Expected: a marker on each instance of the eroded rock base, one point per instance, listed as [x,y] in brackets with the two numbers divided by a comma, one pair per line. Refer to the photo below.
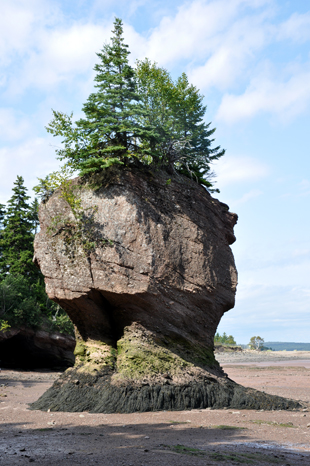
[76,392]
[149,372]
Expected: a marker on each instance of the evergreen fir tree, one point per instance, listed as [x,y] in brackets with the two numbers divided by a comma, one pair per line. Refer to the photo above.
[110,132]
[17,236]
[34,215]
[2,215]
[23,300]
[135,116]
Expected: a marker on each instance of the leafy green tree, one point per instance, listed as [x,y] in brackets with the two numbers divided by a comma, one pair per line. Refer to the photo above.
[177,111]
[17,303]
[256,343]
[23,300]
[25,303]
[155,87]
[110,132]
[231,340]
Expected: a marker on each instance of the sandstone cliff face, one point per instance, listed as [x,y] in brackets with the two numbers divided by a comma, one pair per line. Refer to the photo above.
[145,274]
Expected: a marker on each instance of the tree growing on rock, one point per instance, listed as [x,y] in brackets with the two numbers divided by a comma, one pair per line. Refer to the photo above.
[136,116]
[176,109]
[110,132]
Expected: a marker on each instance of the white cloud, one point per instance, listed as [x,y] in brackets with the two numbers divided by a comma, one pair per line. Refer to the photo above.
[232,51]
[40,47]
[19,23]
[15,27]
[304,188]
[220,38]
[288,273]
[233,169]
[301,253]
[286,99]
[13,125]
[54,51]
[197,29]
[31,159]
[246,197]
[61,55]
[138,45]
[297,28]
[227,38]
[277,313]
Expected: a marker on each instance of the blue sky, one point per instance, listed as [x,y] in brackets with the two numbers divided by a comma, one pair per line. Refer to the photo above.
[251,61]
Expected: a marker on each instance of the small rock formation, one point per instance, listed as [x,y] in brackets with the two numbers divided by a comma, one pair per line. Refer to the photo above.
[145,272]
[30,349]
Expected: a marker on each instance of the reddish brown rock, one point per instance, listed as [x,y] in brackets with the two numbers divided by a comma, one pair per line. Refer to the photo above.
[145,272]
[169,265]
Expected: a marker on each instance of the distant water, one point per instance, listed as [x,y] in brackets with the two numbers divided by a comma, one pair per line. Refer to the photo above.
[288,346]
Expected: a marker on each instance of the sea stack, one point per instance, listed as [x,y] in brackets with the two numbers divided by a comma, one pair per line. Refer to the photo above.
[142,264]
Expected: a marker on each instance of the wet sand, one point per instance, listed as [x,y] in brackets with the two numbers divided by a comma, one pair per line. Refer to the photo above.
[291,363]
[197,437]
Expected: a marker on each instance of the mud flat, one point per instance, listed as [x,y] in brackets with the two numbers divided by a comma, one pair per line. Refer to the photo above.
[195,437]
[264,357]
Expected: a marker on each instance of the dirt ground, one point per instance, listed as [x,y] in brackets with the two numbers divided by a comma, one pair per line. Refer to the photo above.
[176,438]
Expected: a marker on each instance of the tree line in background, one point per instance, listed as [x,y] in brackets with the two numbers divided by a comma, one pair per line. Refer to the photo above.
[224,339]
[256,342]
[23,300]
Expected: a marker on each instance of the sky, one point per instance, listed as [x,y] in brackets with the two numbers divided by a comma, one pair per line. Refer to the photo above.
[251,61]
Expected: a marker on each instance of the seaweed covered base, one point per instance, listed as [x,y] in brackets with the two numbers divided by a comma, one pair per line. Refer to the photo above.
[148,373]
[76,392]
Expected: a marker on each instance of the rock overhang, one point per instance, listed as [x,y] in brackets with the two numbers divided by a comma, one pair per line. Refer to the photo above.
[145,272]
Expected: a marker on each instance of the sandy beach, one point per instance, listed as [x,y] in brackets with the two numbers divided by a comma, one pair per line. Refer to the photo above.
[197,437]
